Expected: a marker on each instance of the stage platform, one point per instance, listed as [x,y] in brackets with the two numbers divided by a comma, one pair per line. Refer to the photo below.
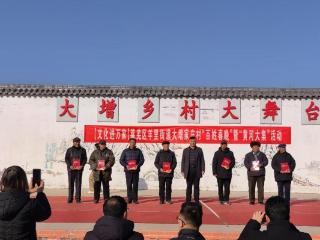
[159,221]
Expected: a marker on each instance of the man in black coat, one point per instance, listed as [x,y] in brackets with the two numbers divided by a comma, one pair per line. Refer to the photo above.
[75,158]
[255,162]
[192,168]
[277,213]
[190,220]
[283,164]
[132,159]
[114,223]
[222,164]
[166,163]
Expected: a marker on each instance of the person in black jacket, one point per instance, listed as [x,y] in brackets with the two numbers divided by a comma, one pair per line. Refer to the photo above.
[18,212]
[190,220]
[192,168]
[255,162]
[114,224]
[75,158]
[132,159]
[222,164]
[283,164]
[166,163]
[277,214]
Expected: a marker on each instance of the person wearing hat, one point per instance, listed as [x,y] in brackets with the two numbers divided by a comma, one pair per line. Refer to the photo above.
[101,162]
[75,158]
[222,164]
[193,168]
[91,179]
[283,165]
[255,162]
[132,159]
[166,163]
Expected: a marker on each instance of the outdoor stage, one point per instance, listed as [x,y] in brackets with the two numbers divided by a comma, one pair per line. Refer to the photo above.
[159,221]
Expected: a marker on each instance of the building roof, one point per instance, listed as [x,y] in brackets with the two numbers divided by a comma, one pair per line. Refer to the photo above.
[145,91]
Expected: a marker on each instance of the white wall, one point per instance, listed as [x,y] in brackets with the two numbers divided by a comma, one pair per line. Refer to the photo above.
[31,137]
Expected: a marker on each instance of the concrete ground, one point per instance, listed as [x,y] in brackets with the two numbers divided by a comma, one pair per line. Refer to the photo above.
[168,227]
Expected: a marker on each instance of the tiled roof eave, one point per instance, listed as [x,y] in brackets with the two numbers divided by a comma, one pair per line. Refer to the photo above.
[19,90]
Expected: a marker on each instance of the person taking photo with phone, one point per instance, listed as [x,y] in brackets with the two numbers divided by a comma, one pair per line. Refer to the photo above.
[277,218]
[18,211]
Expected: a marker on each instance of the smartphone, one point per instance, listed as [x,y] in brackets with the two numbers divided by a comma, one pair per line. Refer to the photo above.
[36,177]
[264,219]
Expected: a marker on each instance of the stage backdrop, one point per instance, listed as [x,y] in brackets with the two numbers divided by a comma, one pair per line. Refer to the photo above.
[36,132]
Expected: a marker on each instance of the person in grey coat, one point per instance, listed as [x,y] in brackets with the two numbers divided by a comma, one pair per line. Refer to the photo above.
[255,162]
[192,168]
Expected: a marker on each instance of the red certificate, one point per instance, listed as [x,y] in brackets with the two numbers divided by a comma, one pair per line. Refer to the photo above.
[284,167]
[166,166]
[76,163]
[101,164]
[226,163]
[132,164]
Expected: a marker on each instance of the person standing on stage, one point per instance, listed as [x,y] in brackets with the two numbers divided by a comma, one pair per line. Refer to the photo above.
[75,158]
[132,159]
[192,168]
[101,162]
[283,164]
[222,164]
[255,162]
[165,162]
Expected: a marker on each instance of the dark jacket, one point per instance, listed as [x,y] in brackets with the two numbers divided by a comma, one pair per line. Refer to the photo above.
[107,155]
[185,163]
[132,154]
[276,230]
[19,214]
[217,160]
[74,152]
[249,158]
[165,156]
[111,228]
[189,234]
[279,158]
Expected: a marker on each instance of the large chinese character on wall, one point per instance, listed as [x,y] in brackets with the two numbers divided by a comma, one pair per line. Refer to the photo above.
[67,109]
[148,110]
[310,110]
[229,111]
[270,111]
[189,110]
[108,109]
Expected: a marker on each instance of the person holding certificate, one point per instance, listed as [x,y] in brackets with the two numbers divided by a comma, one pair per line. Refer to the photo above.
[255,162]
[75,158]
[132,159]
[101,162]
[165,162]
[222,164]
[283,165]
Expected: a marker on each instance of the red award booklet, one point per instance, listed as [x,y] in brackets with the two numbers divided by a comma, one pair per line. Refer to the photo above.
[226,163]
[284,167]
[132,164]
[101,164]
[166,166]
[76,163]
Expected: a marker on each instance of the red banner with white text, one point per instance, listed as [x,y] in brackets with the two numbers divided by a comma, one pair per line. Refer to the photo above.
[181,134]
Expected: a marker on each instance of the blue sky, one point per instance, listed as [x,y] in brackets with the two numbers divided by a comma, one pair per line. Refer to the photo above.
[272,43]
